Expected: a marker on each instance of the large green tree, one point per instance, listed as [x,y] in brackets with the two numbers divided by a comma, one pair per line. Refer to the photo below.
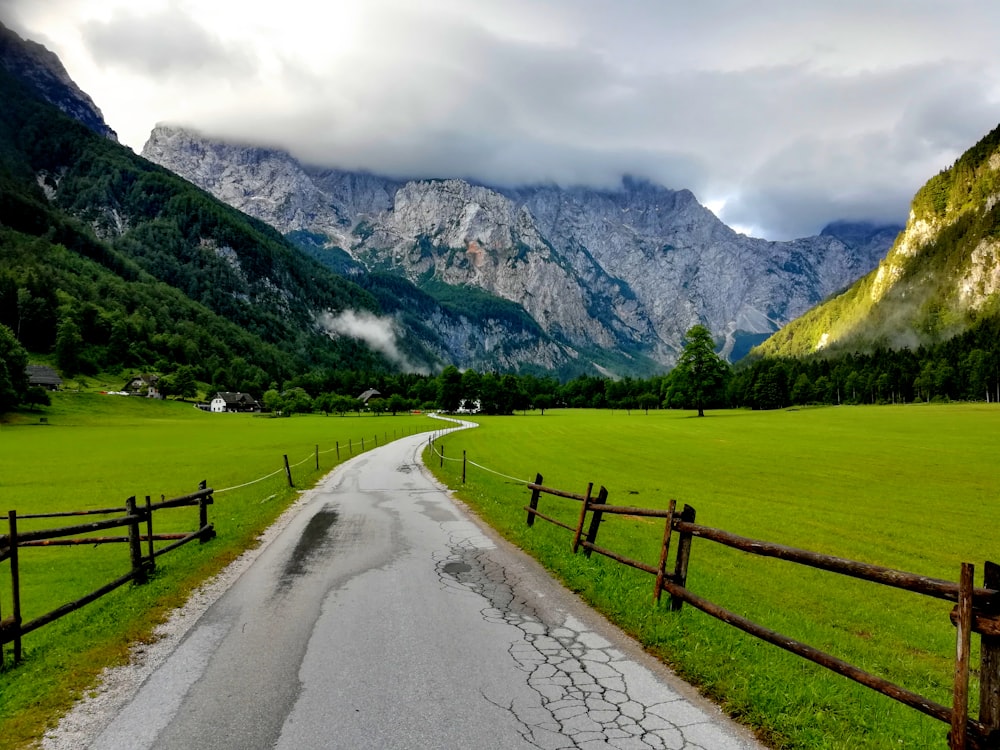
[13,376]
[701,374]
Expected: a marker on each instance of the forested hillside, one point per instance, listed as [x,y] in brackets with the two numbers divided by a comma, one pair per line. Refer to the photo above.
[109,260]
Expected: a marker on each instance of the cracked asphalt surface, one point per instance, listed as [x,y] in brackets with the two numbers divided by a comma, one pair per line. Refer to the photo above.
[385,616]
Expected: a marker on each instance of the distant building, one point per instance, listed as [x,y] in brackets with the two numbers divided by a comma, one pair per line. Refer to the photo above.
[230,401]
[44,377]
[369,394]
[143,385]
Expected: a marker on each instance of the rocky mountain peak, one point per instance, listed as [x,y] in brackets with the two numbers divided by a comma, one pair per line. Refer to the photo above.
[626,269]
[43,72]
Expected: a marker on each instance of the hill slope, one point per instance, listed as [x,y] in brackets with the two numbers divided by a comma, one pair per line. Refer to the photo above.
[81,216]
[940,278]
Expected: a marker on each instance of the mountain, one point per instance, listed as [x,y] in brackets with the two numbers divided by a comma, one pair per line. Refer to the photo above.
[71,192]
[616,274]
[43,73]
[940,278]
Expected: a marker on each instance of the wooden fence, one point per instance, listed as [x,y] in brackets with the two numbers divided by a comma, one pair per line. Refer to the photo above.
[136,518]
[977,610]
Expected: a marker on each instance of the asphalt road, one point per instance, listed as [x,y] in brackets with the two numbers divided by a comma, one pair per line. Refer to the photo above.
[384,616]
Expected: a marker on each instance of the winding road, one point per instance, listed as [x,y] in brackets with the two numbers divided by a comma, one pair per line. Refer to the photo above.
[385,616]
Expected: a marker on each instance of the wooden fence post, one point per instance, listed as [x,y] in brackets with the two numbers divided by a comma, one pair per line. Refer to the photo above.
[203,504]
[376,440]
[151,561]
[442,456]
[337,444]
[595,520]
[15,584]
[683,554]
[362,445]
[134,544]
[463,466]
[350,446]
[583,517]
[534,499]
[661,570]
[288,471]
[317,458]
[989,663]
[957,739]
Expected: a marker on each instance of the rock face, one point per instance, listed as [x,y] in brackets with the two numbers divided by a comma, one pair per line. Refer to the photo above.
[626,270]
[42,71]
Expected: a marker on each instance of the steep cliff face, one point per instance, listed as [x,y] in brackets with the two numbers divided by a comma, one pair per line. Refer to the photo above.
[627,270]
[43,72]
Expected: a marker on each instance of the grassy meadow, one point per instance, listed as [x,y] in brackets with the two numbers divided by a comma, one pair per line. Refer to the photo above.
[910,487]
[94,451]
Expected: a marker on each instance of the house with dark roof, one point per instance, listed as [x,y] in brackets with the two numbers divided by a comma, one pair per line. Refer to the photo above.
[143,385]
[233,401]
[43,376]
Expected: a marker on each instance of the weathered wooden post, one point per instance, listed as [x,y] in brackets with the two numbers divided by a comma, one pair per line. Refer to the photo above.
[661,570]
[317,458]
[376,440]
[583,517]
[362,445]
[957,739]
[595,520]
[533,504]
[134,544]
[288,471]
[683,554]
[989,662]
[15,585]
[203,504]
[442,456]
[337,444]
[151,561]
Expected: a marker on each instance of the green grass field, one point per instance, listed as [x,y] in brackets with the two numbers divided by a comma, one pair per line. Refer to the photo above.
[909,487]
[94,452]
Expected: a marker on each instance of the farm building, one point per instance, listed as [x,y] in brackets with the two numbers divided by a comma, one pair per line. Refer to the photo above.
[43,376]
[143,385]
[369,394]
[230,401]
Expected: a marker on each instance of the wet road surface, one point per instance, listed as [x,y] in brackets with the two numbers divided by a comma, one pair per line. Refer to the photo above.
[384,617]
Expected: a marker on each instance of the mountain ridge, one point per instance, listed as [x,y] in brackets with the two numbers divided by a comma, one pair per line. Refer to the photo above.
[630,268]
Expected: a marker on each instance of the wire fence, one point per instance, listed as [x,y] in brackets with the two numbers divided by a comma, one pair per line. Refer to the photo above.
[464,460]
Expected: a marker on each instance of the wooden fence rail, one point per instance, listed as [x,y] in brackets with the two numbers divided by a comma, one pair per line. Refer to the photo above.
[977,610]
[13,628]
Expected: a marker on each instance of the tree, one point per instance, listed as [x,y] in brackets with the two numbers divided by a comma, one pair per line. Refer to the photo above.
[449,395]
[543,401]
[397,404]
[702,371]
[272,401]
[13,376]
[647,401]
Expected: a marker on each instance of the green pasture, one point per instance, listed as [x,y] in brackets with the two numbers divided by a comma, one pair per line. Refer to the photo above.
[94,451]
[910,487]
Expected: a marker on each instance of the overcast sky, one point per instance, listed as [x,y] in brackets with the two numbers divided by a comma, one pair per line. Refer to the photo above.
[780,115]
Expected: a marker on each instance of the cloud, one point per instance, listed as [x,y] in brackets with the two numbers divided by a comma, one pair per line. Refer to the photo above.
[163,43]
[787,115]
[378,333]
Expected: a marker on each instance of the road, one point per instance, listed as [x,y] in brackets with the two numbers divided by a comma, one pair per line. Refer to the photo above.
[385,616]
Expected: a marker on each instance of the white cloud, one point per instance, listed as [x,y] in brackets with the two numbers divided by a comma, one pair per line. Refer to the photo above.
[798,113]
[379,333]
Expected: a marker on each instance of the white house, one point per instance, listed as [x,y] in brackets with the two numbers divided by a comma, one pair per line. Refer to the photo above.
[233,401]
